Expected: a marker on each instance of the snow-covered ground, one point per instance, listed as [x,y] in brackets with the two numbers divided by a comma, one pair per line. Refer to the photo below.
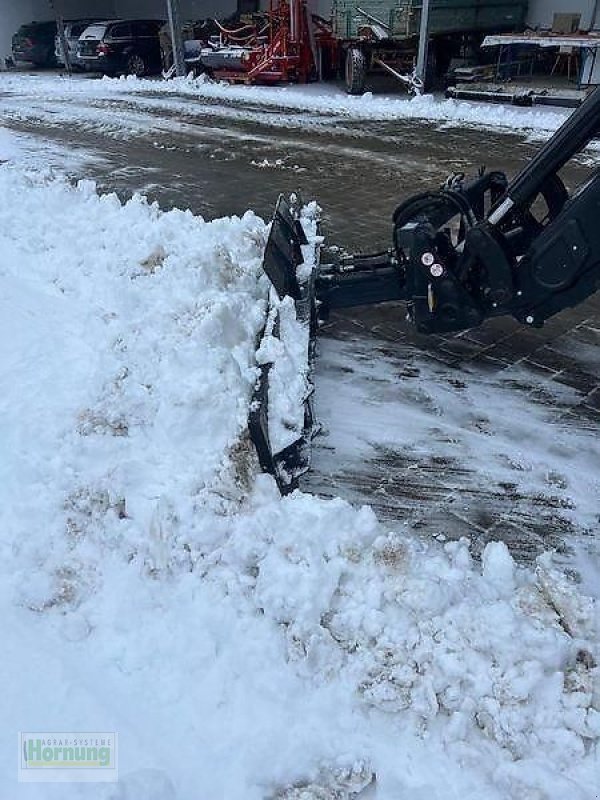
[45,155]
[155,584]
[441,446]
[320,100]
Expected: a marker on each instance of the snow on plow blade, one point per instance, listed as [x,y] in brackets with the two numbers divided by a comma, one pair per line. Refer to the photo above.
[281,419]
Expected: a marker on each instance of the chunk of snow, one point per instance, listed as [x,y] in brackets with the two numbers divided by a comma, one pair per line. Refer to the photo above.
[499,567]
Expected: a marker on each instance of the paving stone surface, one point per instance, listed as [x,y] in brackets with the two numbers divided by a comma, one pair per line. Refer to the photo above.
[521,488]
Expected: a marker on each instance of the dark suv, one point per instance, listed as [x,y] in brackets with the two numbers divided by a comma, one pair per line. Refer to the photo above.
[122,46]
[34,42]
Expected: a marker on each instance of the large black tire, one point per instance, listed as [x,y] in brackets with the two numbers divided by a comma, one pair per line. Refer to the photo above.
[136,65]
[356,70]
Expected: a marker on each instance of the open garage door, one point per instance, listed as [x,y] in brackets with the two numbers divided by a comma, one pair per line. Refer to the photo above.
[13,15]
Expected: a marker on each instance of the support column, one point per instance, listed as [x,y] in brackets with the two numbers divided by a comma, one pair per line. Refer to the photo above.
[57,7]
[423,43]
[176,36]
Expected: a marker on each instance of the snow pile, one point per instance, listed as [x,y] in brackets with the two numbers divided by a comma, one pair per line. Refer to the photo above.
[139,310]
[471,658]
[152,583]
[325,100]
[331,100]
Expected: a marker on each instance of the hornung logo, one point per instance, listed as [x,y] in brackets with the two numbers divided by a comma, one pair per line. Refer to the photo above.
[68,757]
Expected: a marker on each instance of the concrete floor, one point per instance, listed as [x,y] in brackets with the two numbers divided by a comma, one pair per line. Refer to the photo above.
[220,159]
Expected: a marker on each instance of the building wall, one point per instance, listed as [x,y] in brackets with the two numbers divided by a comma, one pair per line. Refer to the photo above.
[322,7]
[541,12]
[190,9]
[198,9]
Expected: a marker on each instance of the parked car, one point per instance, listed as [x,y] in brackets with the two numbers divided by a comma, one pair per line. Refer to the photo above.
[122,46]
[34,43]
[73,30]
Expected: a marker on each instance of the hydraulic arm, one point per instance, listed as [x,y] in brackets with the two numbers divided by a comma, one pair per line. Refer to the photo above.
[485,247]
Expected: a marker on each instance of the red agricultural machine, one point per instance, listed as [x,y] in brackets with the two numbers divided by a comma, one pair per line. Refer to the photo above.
[290,43]
[287,44]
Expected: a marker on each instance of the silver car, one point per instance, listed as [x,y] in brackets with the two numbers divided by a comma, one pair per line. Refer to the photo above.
[73,30]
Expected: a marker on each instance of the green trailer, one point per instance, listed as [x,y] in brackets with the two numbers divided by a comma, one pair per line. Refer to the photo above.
[382,35]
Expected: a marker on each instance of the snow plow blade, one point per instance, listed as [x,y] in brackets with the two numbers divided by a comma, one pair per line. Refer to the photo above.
[281,419]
